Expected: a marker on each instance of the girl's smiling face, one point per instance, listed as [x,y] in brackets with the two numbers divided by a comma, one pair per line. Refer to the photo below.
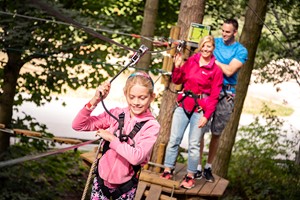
[139,98]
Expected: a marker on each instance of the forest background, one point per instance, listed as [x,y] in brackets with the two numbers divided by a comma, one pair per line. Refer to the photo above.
[66,50]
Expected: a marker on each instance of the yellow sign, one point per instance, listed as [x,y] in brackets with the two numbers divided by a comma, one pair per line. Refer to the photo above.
[197,31]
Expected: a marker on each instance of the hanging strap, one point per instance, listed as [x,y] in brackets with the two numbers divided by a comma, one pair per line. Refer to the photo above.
[225,88]
[188,93]
[125,187]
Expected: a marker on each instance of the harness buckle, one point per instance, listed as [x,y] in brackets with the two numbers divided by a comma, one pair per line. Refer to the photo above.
[199,109]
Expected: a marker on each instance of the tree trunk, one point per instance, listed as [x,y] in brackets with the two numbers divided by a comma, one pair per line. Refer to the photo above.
[250,36]
[297,160]
[169,98]
[150,14]
[10,76]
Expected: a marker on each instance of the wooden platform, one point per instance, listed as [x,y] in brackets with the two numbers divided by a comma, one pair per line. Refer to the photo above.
[152,187]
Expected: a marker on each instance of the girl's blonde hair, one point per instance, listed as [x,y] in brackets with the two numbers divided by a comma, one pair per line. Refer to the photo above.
[208,38]
[141,78]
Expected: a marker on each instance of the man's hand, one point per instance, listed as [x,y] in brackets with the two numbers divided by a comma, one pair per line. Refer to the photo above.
[230,69]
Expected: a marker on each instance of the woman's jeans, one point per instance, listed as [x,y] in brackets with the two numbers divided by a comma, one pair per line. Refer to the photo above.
[179,124]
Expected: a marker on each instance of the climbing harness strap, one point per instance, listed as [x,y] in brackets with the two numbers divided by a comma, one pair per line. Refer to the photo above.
[188,93]
[123,137]
[227,95]
[125,187]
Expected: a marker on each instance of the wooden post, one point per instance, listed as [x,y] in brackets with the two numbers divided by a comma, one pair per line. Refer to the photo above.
[160,156]
[168,59]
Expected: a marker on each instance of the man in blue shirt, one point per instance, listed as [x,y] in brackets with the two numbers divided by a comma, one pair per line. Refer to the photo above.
[230,55]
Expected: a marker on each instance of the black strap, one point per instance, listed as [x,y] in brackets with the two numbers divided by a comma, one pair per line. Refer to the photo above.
[224,89]
[121,124]
[137,127]
[195,97]
[122,189]
[125,187]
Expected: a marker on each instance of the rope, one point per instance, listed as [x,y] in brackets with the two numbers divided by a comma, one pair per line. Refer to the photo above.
[92,31]
[96,29]
[91,172]
[34,157]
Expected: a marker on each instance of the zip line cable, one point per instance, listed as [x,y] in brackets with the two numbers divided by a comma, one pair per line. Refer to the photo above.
[34,157]
[273,33]
[160,42]
[67,24]
[163,72]
[269,29]
[76,24]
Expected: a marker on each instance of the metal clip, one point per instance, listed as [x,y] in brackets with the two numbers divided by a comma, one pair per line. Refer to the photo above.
[180,45]
[137,55]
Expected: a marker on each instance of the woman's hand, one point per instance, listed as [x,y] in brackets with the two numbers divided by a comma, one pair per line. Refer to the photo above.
[106,135]
[202,122]
[178,61]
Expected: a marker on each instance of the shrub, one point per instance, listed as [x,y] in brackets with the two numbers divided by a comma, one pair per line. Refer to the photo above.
[260,167]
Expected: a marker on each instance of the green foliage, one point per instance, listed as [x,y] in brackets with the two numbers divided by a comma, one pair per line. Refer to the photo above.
[260,167]
[280,42]
[55,177]
[27,122]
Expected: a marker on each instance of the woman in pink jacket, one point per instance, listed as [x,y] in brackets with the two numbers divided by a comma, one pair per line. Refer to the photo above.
[202,82]
[116,174]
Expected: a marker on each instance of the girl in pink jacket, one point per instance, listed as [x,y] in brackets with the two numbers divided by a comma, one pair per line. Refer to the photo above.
[116,174]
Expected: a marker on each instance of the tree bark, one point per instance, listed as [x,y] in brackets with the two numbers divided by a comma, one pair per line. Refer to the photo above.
[169,98]
[10,76]
[297,160]
[148,27]
[254,18]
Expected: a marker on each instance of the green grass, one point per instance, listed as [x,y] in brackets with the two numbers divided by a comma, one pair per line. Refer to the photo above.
[254,105]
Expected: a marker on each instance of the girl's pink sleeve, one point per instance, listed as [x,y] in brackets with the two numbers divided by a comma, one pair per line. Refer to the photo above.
[85,122]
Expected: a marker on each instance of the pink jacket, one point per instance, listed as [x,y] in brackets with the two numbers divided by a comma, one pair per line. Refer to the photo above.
[115,166]
[207,79]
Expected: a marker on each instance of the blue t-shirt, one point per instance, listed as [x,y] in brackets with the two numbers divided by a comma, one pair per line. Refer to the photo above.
[225,53]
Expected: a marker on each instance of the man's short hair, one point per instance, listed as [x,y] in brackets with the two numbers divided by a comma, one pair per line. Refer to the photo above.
[234,23]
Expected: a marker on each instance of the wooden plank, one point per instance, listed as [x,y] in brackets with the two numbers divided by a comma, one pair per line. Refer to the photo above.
[220,188]
[66,140]
[27,132]
[208,187]
[154,192]
[198,186]
[155,179]
[162,196]
[179,174]
[179,167]
[140,190]
[89,156]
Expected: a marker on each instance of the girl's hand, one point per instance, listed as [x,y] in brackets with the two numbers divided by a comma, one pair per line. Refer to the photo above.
[202,122]
[102,91]
[106,135]
[178,61]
